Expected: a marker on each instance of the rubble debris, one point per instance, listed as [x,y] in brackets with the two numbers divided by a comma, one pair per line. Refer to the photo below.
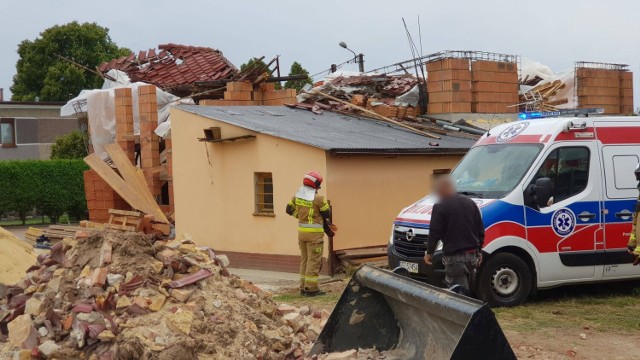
[174,67]
[191,309]
[544,97]
[392,96]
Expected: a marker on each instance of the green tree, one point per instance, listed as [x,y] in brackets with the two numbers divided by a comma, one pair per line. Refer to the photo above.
[254,63]
[69,146]
[40,73]
[297,69]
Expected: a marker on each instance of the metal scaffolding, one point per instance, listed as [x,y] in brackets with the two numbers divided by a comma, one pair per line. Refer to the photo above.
[600,65]
[405,66]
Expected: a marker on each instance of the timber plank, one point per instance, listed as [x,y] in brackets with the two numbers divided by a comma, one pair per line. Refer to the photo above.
[120,186]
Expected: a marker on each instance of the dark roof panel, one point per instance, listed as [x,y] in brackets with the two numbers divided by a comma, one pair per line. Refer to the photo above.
[329,130]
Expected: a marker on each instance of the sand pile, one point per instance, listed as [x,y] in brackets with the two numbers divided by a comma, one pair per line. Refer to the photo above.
[114,295]
[16,257]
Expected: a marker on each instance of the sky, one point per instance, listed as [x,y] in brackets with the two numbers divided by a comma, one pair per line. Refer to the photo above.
[555,33]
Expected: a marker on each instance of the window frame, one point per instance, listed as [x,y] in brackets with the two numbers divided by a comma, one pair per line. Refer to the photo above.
[12,122]
[261,207]
[559,150]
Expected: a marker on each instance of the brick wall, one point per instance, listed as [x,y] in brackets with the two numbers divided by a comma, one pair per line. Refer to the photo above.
[478,86]
[149,141]
[494,87]
[124,122]
[101,198]
[285,263]
[611,90]
[244,94]
[449,86]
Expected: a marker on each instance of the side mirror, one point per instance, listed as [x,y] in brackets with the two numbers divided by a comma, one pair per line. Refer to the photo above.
[542,191]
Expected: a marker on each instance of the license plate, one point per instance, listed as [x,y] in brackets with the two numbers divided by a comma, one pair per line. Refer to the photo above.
[412,267]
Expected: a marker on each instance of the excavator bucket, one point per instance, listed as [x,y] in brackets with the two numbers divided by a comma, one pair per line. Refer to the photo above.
[386,311]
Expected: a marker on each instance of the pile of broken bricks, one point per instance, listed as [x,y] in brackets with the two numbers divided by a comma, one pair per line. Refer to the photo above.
[117,295]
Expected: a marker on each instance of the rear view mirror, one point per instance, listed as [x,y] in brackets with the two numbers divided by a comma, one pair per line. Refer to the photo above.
[542,191]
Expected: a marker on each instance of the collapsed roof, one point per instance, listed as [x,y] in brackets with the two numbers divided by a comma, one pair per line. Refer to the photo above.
[174,66]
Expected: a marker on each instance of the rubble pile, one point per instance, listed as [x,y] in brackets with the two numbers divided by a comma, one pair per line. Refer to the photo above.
[116,295]
[393,96]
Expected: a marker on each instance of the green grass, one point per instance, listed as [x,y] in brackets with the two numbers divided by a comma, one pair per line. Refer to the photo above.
[602,307]
[612,307]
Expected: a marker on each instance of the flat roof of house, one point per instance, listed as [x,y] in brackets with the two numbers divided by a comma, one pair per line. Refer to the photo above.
[331,131]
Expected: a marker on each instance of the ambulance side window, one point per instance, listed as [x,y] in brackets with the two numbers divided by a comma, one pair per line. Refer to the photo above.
[568,169]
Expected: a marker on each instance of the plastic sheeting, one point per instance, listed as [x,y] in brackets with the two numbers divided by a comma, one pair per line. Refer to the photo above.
[99,104]
[532,68]
[410,98]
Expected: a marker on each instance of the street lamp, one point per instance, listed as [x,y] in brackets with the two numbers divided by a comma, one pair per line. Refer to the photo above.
[359,58]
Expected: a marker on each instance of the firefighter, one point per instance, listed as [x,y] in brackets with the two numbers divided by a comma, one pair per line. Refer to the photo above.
[314,218]
[633,247]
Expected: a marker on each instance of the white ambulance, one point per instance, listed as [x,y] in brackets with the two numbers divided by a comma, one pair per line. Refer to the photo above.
[557,198]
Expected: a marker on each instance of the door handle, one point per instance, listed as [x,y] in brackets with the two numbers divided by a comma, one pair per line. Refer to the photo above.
[586,216]
[624,214]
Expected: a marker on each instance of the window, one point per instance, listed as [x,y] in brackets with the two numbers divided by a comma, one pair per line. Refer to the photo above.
[624,166]
[8,132]
[568,169]
[493,171]
[264,194]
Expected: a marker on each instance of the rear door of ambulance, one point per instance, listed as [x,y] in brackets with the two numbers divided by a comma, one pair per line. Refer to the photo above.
[620,148]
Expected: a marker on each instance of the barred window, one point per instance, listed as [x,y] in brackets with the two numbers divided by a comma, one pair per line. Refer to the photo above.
[264,194]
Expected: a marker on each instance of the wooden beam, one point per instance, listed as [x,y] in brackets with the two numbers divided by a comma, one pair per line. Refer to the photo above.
[121,187]
[372,113]
[130,176]
[235,138]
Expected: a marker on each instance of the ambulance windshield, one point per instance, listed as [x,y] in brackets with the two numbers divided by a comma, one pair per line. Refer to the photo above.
[492,171]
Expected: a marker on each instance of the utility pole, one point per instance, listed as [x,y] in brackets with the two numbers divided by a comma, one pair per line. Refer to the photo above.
[360,58]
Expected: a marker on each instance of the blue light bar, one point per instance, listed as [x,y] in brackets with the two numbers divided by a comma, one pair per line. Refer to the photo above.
[538,115]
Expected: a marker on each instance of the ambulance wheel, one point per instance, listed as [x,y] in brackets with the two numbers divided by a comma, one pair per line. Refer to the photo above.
[505,280]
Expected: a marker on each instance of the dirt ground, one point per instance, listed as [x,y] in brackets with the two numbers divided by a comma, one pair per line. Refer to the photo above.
[591,322]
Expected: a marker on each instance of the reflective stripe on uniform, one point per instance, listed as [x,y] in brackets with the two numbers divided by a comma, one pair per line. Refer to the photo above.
[314,226]
[311,216]
[310,230]
[325,207]
[304,203]
[311,279]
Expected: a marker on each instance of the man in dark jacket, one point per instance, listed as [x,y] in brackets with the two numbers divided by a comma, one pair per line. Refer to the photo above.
[456,221]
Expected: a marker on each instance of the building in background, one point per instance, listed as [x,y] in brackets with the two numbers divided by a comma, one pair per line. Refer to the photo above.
[28,129]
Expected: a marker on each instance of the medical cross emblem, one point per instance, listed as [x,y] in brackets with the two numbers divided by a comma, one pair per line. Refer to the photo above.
[563,222]
[511,132]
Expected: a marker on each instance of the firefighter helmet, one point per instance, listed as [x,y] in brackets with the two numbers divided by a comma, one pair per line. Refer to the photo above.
[312,179]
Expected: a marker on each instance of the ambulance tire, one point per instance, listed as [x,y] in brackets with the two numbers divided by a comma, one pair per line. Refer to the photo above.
[505,280]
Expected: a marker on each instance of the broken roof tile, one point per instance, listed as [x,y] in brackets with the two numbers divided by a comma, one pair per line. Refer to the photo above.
[174,65]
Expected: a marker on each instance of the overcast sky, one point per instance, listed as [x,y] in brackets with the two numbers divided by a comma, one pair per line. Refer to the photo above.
[554,32]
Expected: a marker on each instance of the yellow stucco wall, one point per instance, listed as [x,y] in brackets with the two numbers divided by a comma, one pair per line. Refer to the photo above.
[214,186]
[367,192]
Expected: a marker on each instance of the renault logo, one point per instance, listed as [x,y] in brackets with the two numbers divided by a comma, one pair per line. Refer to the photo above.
[410,235]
